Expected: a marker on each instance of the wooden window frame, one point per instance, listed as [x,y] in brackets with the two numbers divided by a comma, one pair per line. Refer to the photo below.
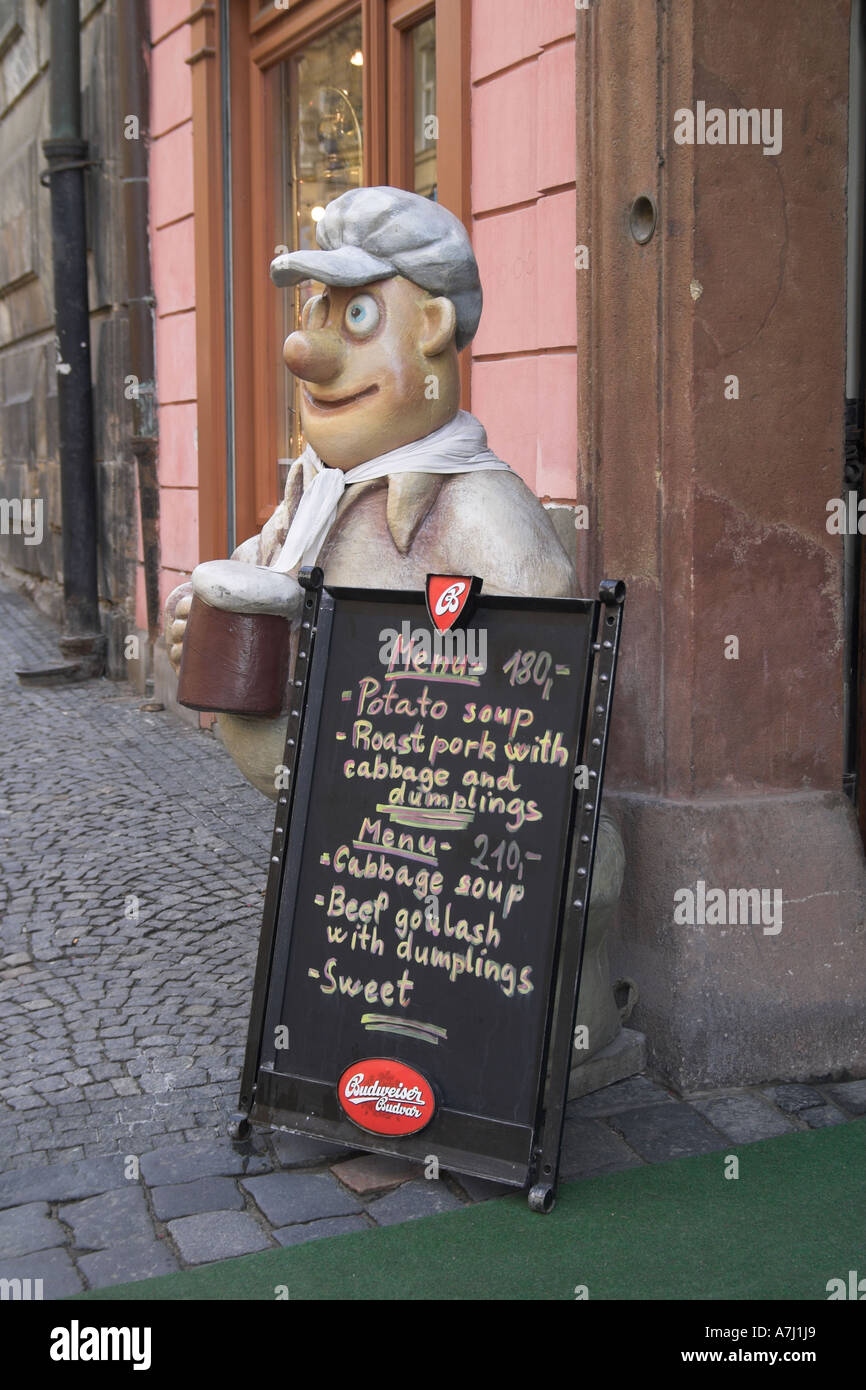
[402,17]
[203,62]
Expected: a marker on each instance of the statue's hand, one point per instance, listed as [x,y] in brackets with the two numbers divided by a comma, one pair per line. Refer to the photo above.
[238,587]
[177,609]
[234,586]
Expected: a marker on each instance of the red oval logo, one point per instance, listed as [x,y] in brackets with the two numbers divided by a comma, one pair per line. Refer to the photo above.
[386,1097]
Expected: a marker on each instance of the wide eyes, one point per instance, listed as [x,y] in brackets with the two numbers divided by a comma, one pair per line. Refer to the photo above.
[362,315]
[361,318]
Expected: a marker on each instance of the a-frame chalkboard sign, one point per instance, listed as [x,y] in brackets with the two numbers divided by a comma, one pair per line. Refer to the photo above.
[419,962]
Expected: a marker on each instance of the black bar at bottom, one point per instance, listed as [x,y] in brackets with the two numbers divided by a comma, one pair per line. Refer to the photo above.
[493,1149]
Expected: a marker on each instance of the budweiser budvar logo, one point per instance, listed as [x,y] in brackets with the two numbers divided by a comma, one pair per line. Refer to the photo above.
[384,1096]
[388,1098]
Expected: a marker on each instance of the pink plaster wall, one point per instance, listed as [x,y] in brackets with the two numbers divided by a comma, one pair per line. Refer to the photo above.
[173,269]
[524,370]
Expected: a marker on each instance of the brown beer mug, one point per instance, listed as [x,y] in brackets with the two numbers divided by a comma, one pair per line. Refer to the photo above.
[236,646]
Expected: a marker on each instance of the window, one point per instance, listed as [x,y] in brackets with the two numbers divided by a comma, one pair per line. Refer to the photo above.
[319,141]
[426,131]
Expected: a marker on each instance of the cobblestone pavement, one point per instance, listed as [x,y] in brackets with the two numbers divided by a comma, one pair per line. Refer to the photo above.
[133,859]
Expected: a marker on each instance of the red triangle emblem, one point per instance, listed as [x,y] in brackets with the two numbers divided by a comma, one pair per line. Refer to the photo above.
[447,596]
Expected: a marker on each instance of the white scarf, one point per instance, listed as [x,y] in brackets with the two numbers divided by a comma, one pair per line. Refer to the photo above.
[458,447]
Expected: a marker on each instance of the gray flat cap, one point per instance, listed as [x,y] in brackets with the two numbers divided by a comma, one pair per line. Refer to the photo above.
[372,234]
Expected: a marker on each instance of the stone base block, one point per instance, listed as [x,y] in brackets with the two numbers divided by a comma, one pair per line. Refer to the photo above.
[625,1056]
[755,999]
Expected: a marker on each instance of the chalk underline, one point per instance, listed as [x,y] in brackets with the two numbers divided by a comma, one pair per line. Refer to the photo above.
[403,853]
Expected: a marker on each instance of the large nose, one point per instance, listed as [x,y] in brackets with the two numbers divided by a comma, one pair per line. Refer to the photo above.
[317,356]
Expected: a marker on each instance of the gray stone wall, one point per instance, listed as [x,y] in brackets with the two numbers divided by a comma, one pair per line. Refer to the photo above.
[29,450]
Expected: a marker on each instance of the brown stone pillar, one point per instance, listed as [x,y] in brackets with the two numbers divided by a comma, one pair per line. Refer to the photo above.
[710,416]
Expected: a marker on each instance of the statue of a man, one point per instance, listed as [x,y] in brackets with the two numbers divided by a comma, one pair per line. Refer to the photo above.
[396,481]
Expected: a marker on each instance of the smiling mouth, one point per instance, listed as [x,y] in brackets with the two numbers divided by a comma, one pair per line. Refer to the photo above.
[323,403]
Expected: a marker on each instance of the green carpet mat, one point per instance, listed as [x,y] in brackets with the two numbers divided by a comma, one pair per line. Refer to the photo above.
[792,1220]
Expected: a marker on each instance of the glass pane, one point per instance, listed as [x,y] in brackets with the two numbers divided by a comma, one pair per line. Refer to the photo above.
[426,122]
[320,153]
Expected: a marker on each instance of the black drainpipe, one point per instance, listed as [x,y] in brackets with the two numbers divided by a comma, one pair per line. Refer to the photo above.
[66,153]
[854,393]
[133,42]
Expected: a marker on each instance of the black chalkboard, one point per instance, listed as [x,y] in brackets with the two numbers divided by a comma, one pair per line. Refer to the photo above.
[430,872]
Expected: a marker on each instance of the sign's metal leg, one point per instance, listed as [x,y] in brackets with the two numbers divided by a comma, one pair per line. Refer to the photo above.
[542,1197]
[310,579]
[605,648]
[238,1126]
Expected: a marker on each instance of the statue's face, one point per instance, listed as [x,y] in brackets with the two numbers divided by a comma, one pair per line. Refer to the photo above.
[378,369]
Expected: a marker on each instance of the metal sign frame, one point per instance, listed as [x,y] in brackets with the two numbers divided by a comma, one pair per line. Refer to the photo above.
[517,1154]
